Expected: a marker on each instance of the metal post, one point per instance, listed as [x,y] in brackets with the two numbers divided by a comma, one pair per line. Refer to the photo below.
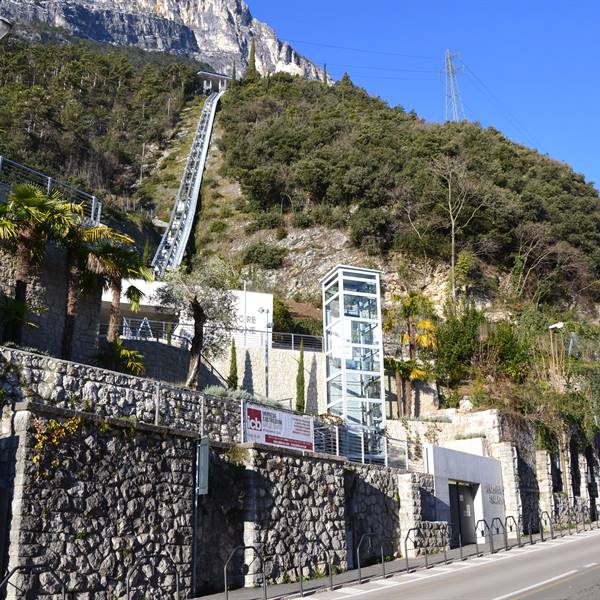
[337,440]
[382,563]
[157,404]
[385,450]
[362,447]
[49,185]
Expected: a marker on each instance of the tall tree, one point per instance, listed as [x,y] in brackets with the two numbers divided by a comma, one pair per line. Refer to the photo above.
[203,296]
[300,382]
[232,379]
[252,73]
[458,201]
[80,242]
[31,218]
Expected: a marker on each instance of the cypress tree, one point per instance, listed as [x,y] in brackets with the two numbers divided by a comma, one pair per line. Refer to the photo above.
[300,392]
[233,75]
[252,73]
[325,74]
[232,380]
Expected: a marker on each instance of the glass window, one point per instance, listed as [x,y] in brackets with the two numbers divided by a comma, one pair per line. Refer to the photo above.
[363,333]
[359,385]
[364,413]
[363,359]
[334,390]
[334,365]
[364,287]
[337,409]
[359,274]
[361,307]
[331,291]
[332,311]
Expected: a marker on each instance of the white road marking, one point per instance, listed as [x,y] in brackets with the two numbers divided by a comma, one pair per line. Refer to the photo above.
[589,565]
[536,585]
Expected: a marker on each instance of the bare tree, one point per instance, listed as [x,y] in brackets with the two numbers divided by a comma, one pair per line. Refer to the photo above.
[459,201]
[205,296]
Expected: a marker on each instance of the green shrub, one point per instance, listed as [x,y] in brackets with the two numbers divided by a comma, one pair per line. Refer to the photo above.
[268,220]
[264,255]
[302,220]
[217,226]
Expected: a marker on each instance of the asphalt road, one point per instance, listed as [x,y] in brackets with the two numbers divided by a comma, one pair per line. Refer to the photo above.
[562,569]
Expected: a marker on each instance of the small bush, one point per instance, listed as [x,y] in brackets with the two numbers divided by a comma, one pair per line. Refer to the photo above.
[217,227]
[281,233]
[268,220]
[302,220]
[264,255]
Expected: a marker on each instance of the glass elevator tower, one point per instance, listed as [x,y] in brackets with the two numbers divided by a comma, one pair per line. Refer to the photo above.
[354,346]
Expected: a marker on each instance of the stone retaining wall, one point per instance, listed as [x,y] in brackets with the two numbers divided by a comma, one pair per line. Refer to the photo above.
[92,502]
[27,376]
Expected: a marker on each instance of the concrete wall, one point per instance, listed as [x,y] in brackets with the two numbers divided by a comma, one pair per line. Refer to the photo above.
[283,369]
[47,292]
[445,465]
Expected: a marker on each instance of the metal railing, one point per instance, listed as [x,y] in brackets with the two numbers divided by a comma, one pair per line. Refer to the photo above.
[35,569]
[173,244]
[12,173]
[180,335]
[361,445]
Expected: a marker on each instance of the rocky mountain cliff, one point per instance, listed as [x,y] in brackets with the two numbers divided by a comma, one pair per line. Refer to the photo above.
[218,32]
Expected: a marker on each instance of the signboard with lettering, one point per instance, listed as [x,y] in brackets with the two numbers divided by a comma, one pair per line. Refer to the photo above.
[274,427]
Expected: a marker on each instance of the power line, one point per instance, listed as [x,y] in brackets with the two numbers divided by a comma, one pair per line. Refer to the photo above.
[364,50]
[499,105]
[370,68]
[361,76]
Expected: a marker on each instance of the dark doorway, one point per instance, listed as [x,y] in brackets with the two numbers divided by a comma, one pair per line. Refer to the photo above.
[462,512]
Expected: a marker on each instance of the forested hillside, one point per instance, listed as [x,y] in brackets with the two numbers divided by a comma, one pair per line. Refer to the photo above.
[88,112]
[334,156]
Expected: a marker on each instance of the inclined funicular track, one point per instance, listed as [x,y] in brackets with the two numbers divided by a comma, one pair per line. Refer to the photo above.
[174,241]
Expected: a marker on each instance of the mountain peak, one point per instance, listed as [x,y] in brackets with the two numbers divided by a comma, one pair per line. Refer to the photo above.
[218,32]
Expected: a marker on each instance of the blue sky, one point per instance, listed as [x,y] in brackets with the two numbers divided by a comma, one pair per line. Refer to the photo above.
[531,67]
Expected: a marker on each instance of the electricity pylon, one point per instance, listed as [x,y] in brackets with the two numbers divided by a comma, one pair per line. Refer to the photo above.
[455,111]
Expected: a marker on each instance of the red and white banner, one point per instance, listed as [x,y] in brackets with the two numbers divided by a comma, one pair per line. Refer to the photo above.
[264,425]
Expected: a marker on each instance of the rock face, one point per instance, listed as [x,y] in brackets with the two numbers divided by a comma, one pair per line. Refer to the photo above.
[218,32]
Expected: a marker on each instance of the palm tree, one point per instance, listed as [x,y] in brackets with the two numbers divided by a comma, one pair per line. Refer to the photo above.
[413,316]
[30,218]
[113,263]
[80,242]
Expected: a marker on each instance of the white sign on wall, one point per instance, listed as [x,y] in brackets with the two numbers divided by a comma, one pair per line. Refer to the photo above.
[265,425]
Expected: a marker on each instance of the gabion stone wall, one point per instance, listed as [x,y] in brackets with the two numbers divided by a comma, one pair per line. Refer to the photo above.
[91,496]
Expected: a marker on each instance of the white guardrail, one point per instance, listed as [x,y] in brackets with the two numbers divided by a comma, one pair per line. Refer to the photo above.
[172,246]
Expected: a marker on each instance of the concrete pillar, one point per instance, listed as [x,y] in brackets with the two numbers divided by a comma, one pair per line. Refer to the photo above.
[544,477]
[505,452]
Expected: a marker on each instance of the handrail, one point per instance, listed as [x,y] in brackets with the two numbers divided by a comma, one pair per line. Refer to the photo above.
[151,560]
[262,563]
[414,541]
[33,569]
[363,537]
[12,172]
[497,523]
[483,535]
[517,527]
